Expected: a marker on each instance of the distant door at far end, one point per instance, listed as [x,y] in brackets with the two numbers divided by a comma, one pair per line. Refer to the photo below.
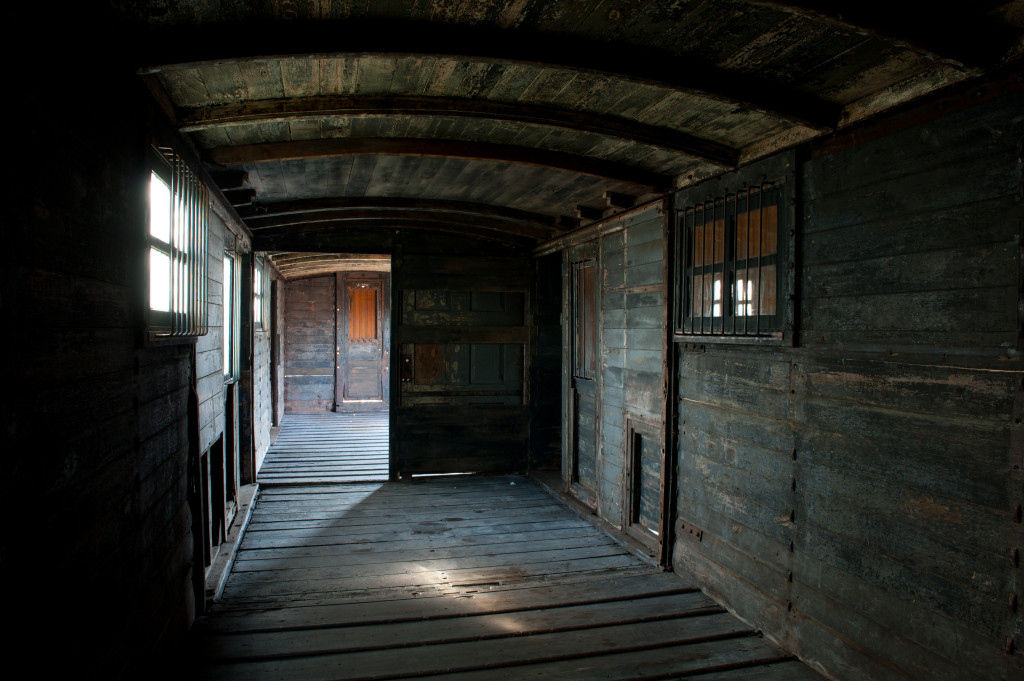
[363,341]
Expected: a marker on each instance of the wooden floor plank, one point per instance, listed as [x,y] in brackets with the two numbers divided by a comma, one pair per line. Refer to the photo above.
[508,651]
[666,662]
[461,578]
[265,645]
[438,606]
[328,448]
[243,583]
[274,538]
[420,555]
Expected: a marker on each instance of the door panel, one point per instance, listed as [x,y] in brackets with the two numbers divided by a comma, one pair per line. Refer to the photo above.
[463,336]
[585,434]
[362,371]
[583,306]
[310,344]
[644,493]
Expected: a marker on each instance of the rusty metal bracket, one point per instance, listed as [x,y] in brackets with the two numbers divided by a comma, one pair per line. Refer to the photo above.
[689,531]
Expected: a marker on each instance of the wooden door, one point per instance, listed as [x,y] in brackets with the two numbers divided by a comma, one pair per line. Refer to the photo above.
[583,400]
[362,382]
[462,331]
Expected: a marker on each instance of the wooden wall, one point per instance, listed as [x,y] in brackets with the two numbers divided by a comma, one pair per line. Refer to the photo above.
[210,348]
[632,343]
[96,548]
[309,344]
[632,336]
[461,335]
[859,494]
[263,400]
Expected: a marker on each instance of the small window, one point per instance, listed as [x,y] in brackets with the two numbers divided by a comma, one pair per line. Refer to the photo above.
[176,238]
[230,304]
[260,295]
[584,311]
[732,267]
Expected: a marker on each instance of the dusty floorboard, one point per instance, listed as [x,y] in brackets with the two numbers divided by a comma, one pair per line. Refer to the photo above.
[328,448]
[467,579]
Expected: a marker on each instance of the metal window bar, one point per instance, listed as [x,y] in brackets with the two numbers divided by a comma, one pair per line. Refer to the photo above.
[730,299]
[700,261]
[760,256]
[189,225]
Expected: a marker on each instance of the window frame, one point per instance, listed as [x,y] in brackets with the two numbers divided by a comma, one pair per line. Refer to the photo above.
[260,294]
[585,308]
[187,250]
[231,299]
[731,190]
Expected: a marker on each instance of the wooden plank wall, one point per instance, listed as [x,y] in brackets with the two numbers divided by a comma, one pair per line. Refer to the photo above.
[309,344]
[262,398]
[457,430]
[210,348]
[632,339]
[93,424]
[632,373]
[859,494]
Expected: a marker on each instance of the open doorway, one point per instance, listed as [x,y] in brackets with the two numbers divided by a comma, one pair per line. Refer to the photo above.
[336,336]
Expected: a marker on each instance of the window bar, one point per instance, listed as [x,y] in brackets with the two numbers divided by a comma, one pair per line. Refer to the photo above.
[176,302]
[190,235]
[185,296]
[703,256]
[196,285]
[691,221]
[685,285]
[691,303]
[714,263]
[200,253]
[747,250]
[198,319]
[678,278]
[686,264]
[708,244]
[760,257]
[188,320]
[204,225]
[735,254]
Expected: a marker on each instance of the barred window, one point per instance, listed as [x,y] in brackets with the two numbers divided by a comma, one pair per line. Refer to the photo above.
[731,255]
[178,213]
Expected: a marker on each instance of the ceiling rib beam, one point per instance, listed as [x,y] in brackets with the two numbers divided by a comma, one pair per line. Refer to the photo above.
[261,212]
[277,110]
[166,50]
[273,235]
[386,214]
[453,149]
[974,41]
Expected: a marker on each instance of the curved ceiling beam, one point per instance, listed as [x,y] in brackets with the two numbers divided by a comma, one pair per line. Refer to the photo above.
[195,119]
[398,214]
[272,234]
[294,264]
[263,214]
[458,149]
[183,47]
[980,40]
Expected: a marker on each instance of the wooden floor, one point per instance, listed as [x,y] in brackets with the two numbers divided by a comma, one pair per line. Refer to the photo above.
[327,448]
[460,579]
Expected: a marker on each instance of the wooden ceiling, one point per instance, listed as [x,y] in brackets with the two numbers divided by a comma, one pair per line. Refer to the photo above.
[516,120]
